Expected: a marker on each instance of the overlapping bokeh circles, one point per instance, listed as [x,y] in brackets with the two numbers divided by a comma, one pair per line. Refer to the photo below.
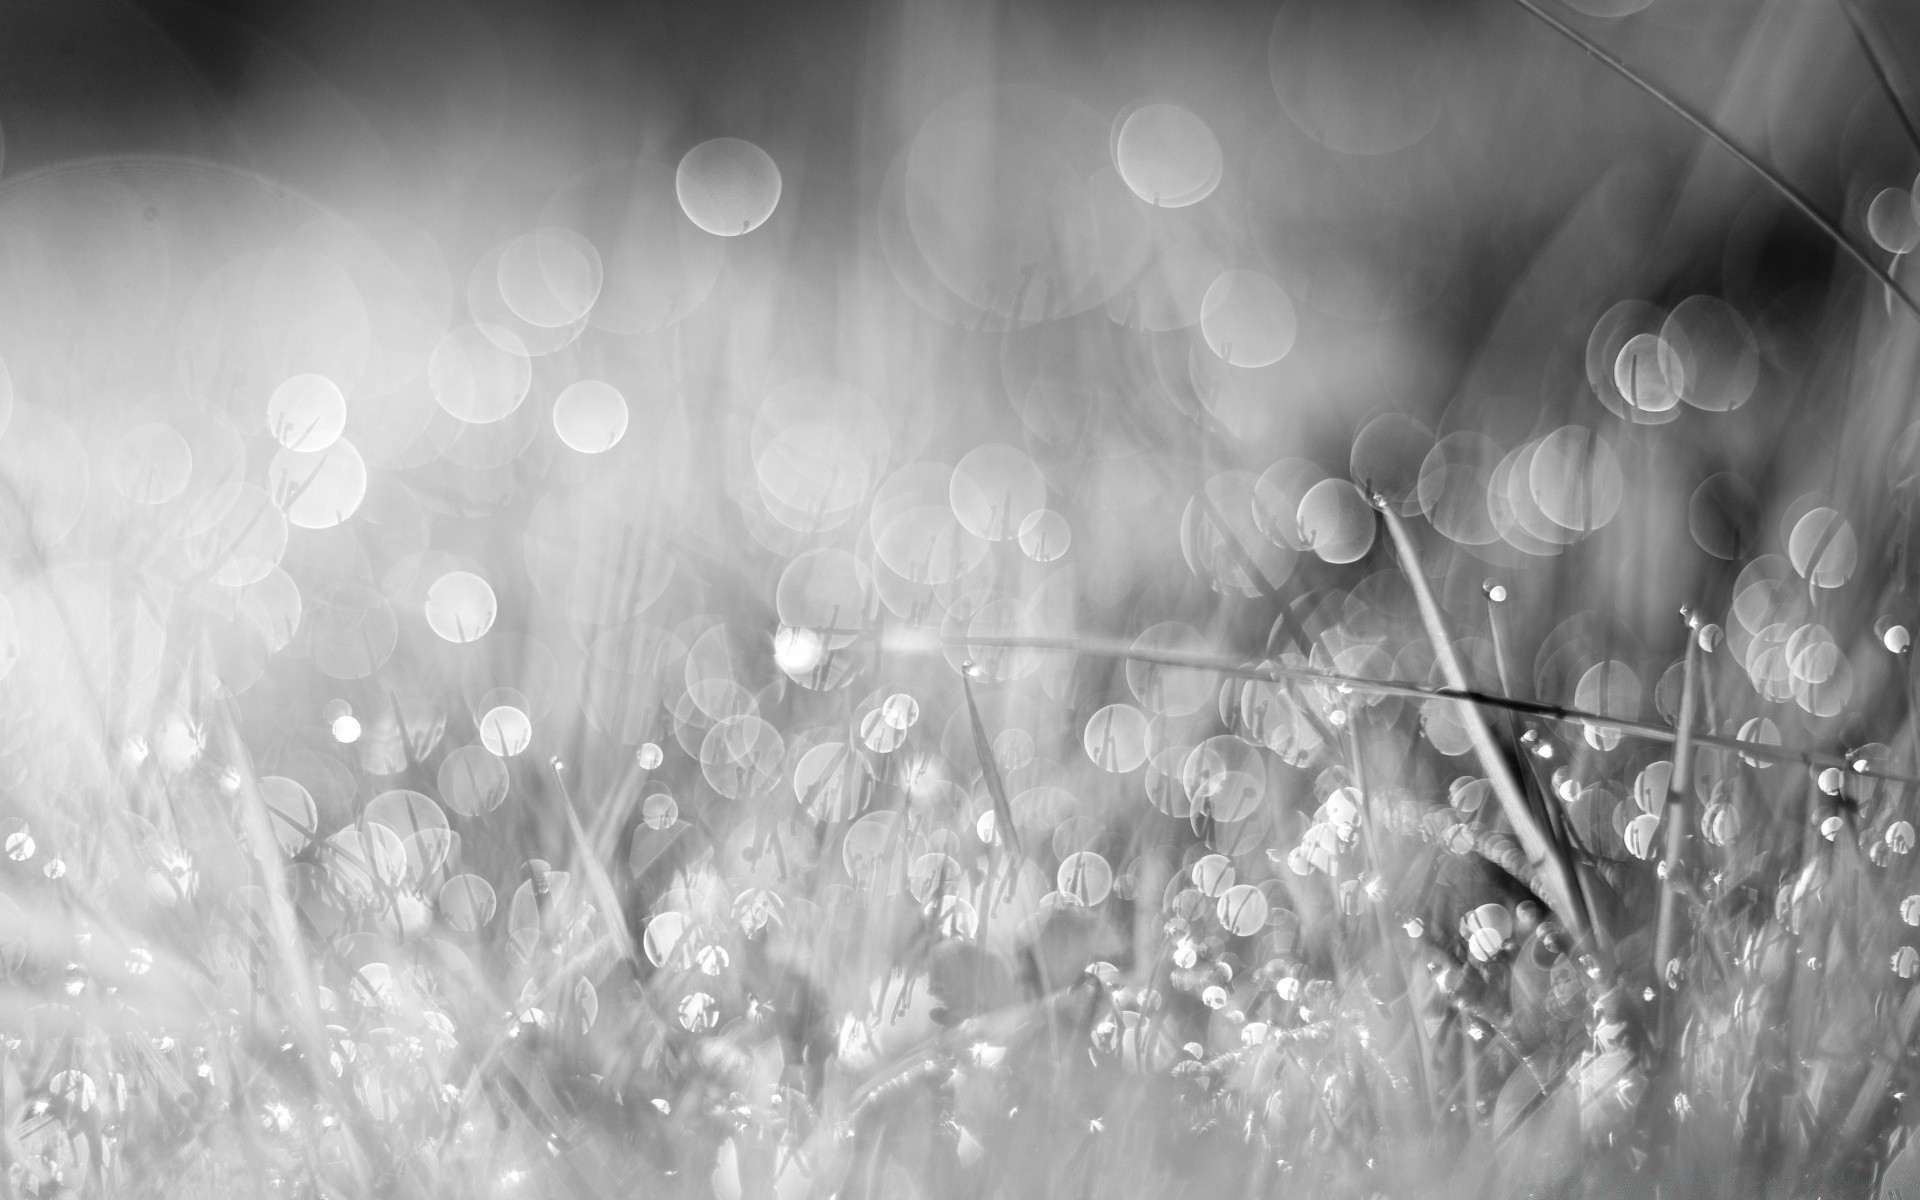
[1045,535]
[467,902]
[1388,458]
[420,824]
[472,781]
[1248,319]
[150,463]
[1574,478]
[656,265]
[549,277]
[476,378]
[833,782]
[1336,522]
[994,489]
[1084,878]
[1173,690]
[506,727]
[1631,369]
[819,445]
[1277,494]
[1008,204]
[1713,351]
[1115,738]
[307,413]
[1224,779]
[1823,548]
[1453,487]
[236,534]
[321,489]
[824,591]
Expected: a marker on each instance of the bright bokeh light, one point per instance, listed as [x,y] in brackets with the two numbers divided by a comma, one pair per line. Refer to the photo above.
[1308,600]
[306,413]
[727,186]
[1167,156]
[1248,319]
[590,416]
[461,606]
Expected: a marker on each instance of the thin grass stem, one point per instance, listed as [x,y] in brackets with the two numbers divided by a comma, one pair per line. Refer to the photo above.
[1774,179]
[1270,672]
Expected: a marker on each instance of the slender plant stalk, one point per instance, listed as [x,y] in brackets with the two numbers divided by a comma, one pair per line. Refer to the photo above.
[1676,817]
[1549,860]
[1773,178]
[990,772]
[587,852]
[1269,672]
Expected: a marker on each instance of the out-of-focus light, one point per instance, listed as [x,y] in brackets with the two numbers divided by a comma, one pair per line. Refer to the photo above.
[505,730]
[1892,222]
[460,606]
[590,416]
[1167,156]
[1248,319]
[797,651]
[307,413]
[727,186]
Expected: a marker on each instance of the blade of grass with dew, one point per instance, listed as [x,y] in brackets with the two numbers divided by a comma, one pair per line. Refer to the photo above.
[596,872]
[1678,789]
[1548,857]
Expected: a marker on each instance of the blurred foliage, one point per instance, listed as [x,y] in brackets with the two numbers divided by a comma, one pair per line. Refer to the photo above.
[551,649]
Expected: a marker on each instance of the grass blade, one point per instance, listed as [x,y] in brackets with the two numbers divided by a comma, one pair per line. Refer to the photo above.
[1773,178]
[1270,671]
[990,771]
[1676,818]
[1548,858]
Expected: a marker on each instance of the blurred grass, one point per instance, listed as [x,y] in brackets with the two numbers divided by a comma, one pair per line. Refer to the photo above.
[881,983]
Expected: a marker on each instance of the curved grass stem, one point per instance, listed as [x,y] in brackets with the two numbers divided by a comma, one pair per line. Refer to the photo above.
[1773,178]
